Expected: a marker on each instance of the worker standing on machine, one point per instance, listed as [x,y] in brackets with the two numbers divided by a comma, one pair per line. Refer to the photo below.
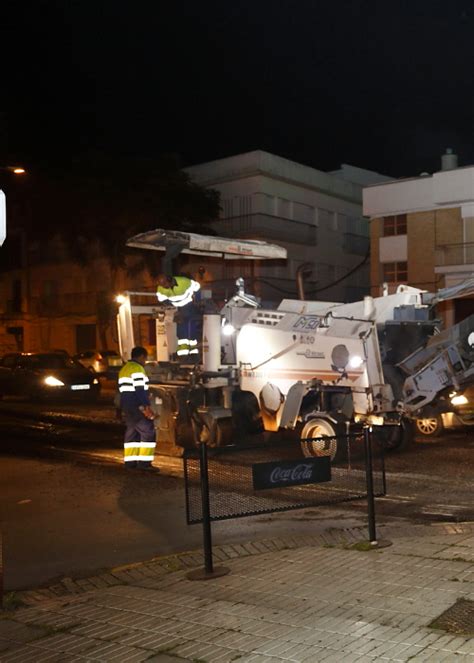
[180,291]
[139,442]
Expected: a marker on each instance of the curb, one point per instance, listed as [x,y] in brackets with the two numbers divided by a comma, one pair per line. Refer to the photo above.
[158,566]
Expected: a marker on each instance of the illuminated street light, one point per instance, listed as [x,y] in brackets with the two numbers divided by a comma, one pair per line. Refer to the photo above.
[17,170]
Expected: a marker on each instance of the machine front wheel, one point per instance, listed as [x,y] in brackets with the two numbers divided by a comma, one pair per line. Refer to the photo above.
[395,438]
[318,438]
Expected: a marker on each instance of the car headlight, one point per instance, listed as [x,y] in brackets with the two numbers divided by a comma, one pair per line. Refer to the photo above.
[51,381]
[459,399]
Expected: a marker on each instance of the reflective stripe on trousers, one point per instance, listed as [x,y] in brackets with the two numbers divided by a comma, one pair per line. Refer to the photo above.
[139,440]
[138,451]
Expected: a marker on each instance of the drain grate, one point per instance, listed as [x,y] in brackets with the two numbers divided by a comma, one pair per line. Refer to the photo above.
[459,618]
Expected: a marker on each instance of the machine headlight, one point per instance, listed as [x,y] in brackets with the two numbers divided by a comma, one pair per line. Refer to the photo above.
[227,328]
[51,381]
[355,361]
[459,399]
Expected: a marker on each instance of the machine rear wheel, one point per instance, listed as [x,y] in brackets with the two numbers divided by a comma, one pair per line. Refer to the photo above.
[327,444]
[429,426]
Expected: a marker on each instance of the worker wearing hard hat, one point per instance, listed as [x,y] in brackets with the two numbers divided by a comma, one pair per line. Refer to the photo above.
[180,291]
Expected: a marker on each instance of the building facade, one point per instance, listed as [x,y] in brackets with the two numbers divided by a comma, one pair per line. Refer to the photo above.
[422,233]
[316,216]
[49,302]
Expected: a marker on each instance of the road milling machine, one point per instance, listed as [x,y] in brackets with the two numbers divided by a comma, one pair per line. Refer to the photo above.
[312,370]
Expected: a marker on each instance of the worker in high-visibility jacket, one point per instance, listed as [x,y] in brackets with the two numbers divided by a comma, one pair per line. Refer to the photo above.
[139,441]
[180,291]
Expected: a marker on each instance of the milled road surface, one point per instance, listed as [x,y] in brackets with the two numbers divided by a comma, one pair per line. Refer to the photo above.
[67,506]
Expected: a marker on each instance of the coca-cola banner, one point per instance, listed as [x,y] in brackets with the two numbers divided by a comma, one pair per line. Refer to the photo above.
[291,472]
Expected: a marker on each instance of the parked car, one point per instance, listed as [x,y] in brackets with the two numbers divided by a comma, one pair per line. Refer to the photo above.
[459,413]
[100,361]
[39,375]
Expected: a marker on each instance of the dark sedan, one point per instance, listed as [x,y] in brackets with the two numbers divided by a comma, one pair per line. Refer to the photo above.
[46,375]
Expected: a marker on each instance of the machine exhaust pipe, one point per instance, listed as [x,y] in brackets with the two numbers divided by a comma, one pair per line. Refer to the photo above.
[306,268]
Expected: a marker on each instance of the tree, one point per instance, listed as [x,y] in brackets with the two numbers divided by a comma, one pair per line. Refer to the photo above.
[99,202]
[89,208]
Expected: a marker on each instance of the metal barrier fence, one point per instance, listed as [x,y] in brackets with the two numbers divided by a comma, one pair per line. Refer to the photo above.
[233,482]
[234,493]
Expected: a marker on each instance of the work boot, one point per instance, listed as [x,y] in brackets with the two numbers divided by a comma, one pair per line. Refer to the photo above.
[146,465]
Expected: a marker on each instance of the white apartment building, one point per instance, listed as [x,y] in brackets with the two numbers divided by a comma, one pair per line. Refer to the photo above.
[316,215]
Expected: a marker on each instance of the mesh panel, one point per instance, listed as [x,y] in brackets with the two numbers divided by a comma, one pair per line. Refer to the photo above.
[231,492]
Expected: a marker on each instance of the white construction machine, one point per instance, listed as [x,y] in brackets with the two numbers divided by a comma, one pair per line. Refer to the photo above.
[310,369]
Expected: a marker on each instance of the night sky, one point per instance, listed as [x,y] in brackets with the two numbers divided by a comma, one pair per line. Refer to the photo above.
[384,85]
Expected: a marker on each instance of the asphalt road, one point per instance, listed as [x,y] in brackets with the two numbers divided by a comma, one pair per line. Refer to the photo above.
[68,508]
[70,518]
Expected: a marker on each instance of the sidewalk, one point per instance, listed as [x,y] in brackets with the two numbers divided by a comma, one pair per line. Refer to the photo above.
[308,599]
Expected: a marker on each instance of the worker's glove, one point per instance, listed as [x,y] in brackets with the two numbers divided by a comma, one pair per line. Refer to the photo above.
[147,412]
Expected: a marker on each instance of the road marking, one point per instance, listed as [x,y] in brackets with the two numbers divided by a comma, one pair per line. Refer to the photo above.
[397,498]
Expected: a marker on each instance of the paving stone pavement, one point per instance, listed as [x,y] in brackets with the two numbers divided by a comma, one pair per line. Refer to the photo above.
[298,599]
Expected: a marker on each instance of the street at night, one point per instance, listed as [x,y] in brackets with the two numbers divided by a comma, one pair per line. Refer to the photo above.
[68,507]
[237,332]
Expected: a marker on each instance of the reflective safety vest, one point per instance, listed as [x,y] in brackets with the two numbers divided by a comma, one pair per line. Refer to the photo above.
[133,386]
[180,294]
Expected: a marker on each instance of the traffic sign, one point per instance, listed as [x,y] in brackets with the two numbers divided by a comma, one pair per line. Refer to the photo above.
[3,218]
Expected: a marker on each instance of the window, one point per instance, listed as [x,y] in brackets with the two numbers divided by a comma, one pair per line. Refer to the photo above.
[50,288]
[284,208]
[268,204]
[395,225]
[245,205]
[357,225]
[304,213]
[227,208]
[327,218]
[16,296]
[395,272]
[342,222]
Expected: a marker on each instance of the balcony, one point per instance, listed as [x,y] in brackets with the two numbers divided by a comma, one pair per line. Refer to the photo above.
[269,228]
[77,303]
[454,255]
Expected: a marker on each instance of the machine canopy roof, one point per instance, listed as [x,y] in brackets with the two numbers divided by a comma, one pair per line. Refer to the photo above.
[207,245]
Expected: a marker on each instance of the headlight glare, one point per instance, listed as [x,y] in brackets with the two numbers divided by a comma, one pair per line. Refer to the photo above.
[228,329]
[356,361]
[459,399]
[51,381]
